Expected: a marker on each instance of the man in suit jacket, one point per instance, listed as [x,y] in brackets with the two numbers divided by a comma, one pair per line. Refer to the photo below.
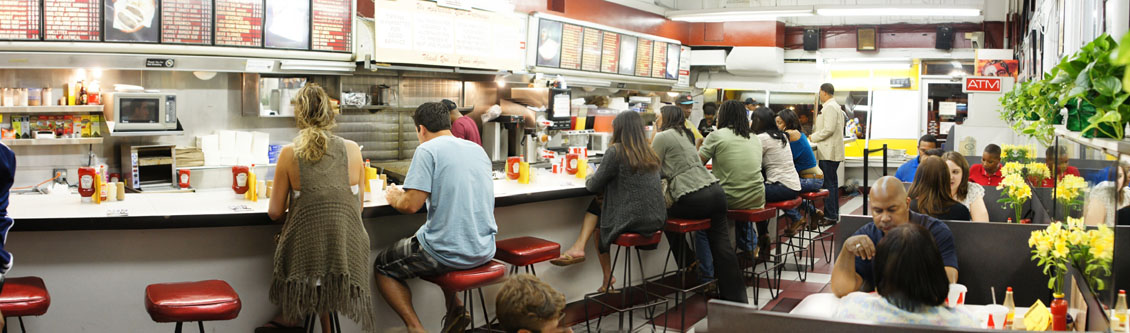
[828,135]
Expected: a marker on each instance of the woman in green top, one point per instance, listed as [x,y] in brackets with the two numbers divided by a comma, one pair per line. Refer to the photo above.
[737,164]
[696,195]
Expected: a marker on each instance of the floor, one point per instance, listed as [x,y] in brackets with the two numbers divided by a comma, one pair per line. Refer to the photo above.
[790,292]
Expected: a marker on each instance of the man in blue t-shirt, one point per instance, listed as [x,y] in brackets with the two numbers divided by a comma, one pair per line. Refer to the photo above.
[890,207]
[907,170]
[453,177]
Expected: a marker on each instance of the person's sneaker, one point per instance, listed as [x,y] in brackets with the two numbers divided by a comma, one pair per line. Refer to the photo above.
[828,222]
[456,320]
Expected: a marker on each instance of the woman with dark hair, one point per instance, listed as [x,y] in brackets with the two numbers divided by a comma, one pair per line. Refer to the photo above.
[696,195]
[930,192]
[782,182]
[737,165]
[970,194]
[804,160]
[628,177]
[911,283]
[1107,197]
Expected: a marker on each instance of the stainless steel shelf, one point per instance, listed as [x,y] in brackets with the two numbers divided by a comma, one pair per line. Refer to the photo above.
[207,167]
[51,142]
[51,109]
[110,125]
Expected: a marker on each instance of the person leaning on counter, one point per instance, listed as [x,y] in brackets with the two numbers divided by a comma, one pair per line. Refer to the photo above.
[686,103]
[890,207]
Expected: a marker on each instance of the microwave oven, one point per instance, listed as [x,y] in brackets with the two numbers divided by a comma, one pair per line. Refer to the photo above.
[140,111]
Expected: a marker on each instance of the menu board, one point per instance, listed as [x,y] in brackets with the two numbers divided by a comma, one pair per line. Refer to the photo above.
[658,59]
[19,19]
[72,20]
[628,54]
[130,21]
[186,21]
[422,32]
[284,28]
[643,57]
[549,43]
[590,50]
[571,36]
[332,25]
[672,69]
[611,53]
[239,22]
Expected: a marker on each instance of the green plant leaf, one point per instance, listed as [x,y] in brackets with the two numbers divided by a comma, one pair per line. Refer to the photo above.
[1107,85]
[1122,56]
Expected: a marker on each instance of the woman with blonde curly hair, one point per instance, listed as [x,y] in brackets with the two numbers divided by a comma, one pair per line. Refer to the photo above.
[321,259]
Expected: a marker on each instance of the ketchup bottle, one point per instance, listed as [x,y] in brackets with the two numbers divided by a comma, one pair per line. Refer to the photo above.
[86,183]
[239,179]
[182,178]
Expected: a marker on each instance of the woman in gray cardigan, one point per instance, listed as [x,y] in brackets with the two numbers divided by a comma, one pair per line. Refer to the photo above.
[633,197]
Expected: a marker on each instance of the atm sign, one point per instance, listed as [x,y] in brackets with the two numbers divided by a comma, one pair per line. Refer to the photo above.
[981,84]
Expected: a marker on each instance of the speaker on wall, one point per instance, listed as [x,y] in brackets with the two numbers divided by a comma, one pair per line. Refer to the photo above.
[944,38]
[811,39]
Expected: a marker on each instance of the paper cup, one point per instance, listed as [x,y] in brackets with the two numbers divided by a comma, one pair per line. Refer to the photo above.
[956,295]
[994,316]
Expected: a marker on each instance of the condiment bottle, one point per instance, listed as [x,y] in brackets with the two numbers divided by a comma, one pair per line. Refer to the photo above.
[571,163]
[1008,303]
[1010,220]
[239,179]
[251,185]
[1120,308]
[86,183]
[183,178]
[102,184]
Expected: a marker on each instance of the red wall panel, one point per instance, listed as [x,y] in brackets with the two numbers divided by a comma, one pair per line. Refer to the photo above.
[769,33]
[613,15]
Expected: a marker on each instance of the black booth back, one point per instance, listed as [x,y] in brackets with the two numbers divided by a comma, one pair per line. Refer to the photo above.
[988,255]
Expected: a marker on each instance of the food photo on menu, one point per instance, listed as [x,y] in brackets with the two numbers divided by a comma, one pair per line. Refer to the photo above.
[549,43]
[131,21]
[627,55]
[287,25]
[672,70]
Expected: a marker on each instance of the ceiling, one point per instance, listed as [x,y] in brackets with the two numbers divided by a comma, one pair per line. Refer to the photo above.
[992,10]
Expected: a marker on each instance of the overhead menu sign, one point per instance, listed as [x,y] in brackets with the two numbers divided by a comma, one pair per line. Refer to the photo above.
[131,21]
[643,57]
[19,20]
[671,68]
[571,37]
[609,60]
[282,30]
[332,25]
[186,21]
[239,22]
[567,44]
[72,20]
[658,59]
[590,50]
[421,32]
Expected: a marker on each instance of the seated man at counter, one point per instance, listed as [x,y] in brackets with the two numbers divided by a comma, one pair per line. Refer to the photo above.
[461,126]
[525,304]
[453,176]
[988,172]
[1056,158]
[890,207]
[906,172]
[686,103]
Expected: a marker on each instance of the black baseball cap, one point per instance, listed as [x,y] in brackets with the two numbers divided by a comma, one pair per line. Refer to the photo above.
[684,100]
[750,101]
[451,106]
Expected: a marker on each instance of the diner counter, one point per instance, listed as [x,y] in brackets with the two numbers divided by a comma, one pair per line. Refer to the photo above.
[223,208]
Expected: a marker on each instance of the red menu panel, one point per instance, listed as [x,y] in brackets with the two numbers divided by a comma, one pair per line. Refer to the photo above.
[333,25]
[19,19]
[609,62]
[643,57]
[659,60]
[186,21]
[571,46]
[72,20]
[239,22]
[590,52]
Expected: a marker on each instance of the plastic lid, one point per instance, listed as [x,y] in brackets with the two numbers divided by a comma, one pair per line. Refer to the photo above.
[1009,289]
[1122,292]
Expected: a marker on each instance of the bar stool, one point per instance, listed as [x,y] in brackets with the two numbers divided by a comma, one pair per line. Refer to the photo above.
[631,241]
[191,301]
[796,250]
[525,252]
[816,199]
[24,296]
[761,217]
[683,227]
[469,280]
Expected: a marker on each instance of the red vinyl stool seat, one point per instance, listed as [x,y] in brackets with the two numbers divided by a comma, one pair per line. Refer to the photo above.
[469,280]
[752,215]
[634,239]
[24,296]
[525,252]
[191,301]
[784,205]
[686,225]
[813,196]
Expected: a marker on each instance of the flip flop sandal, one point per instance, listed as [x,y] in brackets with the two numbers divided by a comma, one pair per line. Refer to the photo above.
[566,260]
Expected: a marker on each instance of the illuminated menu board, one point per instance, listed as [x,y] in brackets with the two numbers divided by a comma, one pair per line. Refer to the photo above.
[333,25]
[611,52]
[131,21]
[72,20]
[627,54]
[658,59]
[239,22]
[549,43]
[643,57]
[571,36]
[186,21]
[672,70]
[19,19]
[590,50]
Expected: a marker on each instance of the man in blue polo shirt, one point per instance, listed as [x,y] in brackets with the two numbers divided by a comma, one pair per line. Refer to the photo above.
[890,207]
[906,172]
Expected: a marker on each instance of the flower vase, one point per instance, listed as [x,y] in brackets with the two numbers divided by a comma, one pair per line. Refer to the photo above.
[1059,313]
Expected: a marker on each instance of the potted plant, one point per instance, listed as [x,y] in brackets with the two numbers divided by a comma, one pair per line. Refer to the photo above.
[1090,77]
[1088,249]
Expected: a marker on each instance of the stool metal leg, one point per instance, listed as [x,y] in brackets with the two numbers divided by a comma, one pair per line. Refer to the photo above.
[483,304]
[201,324]
[178,328]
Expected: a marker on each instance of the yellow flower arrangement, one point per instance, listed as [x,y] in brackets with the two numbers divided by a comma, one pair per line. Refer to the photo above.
[1089,249]
[1012,168]
[1069,191]
[1017,153]
[1016,192]
[1037,171]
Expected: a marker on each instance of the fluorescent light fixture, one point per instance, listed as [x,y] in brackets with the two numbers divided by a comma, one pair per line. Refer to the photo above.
[589,82]
[737,15]
[867,59]
[867,66]
[897,11]
[310,65]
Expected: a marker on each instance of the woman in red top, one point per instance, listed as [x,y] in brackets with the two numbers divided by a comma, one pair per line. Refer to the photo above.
[1056,158]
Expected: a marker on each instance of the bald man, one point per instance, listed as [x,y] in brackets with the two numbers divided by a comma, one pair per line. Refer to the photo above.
[890,207]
